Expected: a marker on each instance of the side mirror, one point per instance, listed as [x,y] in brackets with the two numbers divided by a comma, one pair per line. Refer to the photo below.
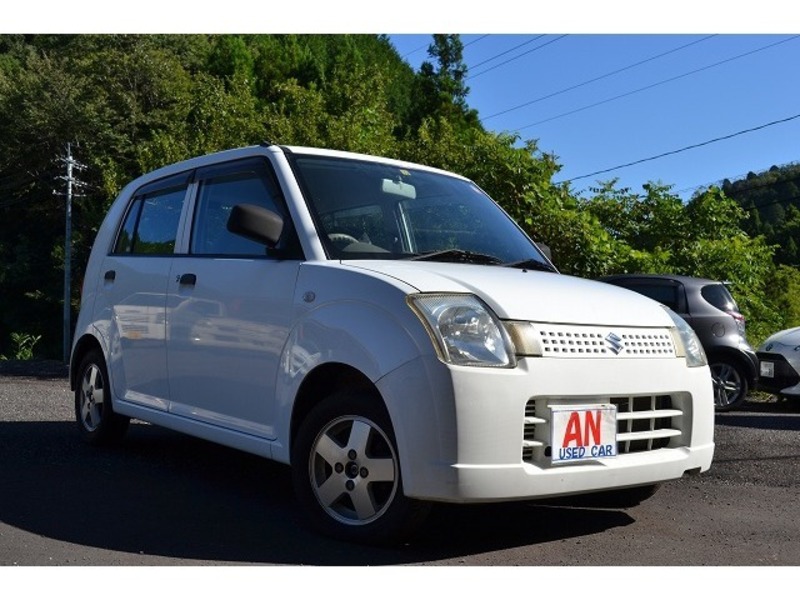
[256,223]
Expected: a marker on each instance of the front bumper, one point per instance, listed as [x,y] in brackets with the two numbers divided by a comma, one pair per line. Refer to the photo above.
[785,380]
[482,435]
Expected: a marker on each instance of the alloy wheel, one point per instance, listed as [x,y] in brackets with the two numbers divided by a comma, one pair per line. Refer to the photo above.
[353,470]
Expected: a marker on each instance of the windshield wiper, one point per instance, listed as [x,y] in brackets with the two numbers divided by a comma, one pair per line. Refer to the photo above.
[533,264]
[459,256]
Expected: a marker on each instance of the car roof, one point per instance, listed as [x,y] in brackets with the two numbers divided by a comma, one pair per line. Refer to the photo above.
[684,279]
[267,148]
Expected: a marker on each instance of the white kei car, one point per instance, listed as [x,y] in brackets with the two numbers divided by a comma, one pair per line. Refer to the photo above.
[384,328]
[779,364]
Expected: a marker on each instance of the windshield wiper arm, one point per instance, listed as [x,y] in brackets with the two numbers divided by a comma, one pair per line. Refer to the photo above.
[459,256]
[533,264]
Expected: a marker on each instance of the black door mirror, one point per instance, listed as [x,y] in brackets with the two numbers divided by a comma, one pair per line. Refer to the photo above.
[256,223]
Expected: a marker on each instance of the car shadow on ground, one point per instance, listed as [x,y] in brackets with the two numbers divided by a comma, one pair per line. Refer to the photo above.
[163,494]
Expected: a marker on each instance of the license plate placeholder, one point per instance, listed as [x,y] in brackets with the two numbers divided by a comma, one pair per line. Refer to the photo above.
[584,432]
[767,368]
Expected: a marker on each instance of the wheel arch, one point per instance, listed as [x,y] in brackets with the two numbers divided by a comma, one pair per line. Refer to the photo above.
[82,346]
[323,381]
[732,356]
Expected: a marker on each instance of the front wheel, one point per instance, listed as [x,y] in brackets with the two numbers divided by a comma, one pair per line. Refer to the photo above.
[730,386]
[347,474]
[97,421]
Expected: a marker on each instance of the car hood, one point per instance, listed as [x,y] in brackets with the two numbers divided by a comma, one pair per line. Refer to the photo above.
[787,337]
[527,295]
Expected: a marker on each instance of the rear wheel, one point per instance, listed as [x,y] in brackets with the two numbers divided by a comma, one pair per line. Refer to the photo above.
[97,421]
[730,386]
[347,475]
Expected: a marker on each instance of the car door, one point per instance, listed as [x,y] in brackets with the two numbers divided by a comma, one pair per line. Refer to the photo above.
[134,290]
[232,305]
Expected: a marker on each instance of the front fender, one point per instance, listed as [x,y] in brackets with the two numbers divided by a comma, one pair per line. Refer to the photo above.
[371,339]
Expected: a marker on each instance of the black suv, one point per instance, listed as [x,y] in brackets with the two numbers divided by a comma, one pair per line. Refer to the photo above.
[712,312]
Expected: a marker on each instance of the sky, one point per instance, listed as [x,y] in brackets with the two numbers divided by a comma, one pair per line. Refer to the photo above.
[685,93]
[684,110]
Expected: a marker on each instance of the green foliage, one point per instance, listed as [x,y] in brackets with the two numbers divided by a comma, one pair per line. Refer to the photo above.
[702,238]
[132,103]
[784,285]
[440,90]
[23,346]
[771,201]
[579,245]
[231,59]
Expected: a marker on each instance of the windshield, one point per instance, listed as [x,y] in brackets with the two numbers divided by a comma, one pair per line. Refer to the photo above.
[369,210]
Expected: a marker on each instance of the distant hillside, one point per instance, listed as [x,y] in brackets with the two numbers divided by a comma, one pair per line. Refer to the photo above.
[772,202]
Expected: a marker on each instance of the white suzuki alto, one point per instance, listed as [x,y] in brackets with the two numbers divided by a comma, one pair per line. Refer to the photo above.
[384,328]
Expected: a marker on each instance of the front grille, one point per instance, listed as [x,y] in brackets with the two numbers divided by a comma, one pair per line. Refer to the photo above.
[644,423]
[580,341]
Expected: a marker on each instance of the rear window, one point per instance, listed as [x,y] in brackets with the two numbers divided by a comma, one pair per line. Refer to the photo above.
[718,296]
[666,293]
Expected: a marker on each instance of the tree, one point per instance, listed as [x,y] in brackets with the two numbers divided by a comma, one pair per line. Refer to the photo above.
[131,103]
[702,238]
[440,89]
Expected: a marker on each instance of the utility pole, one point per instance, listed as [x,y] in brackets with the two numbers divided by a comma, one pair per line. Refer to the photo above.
[71,164]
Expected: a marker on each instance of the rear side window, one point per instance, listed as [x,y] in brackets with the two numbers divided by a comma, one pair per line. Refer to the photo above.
[151,225]
[718,296]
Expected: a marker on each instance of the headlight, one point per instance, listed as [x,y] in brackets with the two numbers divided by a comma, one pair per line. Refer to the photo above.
[686,342]
[465,331]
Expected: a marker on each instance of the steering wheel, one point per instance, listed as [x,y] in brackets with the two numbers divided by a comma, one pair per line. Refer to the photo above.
[342,239]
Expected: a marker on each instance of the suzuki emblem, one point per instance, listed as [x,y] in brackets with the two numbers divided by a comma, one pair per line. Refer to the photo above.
[614,343]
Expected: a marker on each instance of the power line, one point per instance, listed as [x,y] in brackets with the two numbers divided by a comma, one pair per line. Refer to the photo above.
[491,58]
[658,83]
[428,45]
[8,203]
[742,176]
[478,39]
[596,79]
[758,207]
[18,183]
[684,149]
[415,51]
[561,37]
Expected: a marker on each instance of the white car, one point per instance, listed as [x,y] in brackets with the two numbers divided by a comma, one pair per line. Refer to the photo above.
[779,364]
[384,328]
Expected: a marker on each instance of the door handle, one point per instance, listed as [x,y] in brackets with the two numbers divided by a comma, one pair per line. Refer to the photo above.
[187,279]
[109,276]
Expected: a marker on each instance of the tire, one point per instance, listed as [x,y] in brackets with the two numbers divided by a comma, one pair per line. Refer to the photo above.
[730,385]
[346,472]
[97,421]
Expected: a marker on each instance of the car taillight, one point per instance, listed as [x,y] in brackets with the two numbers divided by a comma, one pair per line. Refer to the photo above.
[739,318]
